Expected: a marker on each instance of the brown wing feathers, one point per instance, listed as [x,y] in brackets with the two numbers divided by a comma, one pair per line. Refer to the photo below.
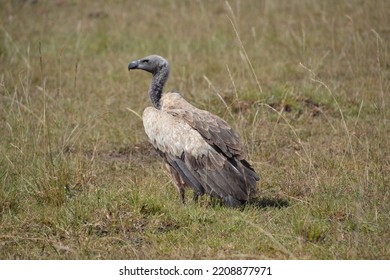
[222,172]
[212,128]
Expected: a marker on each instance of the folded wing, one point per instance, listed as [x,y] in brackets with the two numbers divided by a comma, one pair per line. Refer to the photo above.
[203,149]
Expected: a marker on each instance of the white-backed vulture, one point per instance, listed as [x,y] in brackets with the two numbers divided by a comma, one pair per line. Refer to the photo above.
[200,149]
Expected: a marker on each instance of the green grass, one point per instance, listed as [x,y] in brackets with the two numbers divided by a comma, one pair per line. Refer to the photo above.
[305,83]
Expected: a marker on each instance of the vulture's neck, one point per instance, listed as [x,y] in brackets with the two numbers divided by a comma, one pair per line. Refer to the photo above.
[157,85]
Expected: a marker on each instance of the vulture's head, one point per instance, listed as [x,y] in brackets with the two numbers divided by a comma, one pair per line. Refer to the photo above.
[152,64]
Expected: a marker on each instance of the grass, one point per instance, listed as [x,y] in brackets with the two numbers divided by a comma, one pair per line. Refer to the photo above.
[305,83]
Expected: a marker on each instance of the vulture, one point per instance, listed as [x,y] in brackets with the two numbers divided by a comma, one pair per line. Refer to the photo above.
[201,151]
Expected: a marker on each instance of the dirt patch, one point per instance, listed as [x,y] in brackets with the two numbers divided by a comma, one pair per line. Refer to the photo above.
[313,107]
[141,153]
[300,106]
[242,105]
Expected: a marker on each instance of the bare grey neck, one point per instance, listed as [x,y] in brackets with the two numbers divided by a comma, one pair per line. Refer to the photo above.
[157,85]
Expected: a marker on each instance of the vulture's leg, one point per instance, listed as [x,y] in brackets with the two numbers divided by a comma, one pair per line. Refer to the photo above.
[196,196]
[178,182]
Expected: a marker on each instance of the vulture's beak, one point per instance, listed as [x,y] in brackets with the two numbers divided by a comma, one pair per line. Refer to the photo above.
[133,65]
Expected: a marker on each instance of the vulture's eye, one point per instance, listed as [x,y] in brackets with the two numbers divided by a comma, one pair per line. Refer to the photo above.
[145,61]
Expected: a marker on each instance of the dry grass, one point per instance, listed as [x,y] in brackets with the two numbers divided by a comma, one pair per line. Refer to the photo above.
[306,84]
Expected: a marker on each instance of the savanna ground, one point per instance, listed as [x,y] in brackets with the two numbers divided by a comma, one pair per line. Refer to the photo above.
[305,83]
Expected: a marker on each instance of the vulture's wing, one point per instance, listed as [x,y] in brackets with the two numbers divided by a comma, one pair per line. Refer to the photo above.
[198,163]
[212,128]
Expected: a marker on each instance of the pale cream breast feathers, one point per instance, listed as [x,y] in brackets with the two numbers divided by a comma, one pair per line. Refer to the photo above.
[173,135]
